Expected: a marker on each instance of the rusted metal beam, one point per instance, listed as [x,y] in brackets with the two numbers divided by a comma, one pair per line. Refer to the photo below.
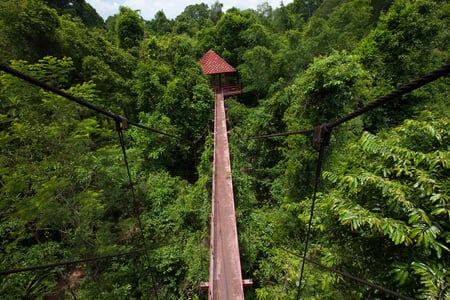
[247,283]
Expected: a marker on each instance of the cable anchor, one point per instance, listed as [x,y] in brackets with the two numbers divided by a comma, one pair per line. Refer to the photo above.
[322,135]
[121,123]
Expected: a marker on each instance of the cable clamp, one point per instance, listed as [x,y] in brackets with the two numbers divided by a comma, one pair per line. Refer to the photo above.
[121,123]
[322,135]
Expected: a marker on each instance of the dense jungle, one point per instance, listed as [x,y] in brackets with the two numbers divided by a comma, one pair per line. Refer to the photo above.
[382,206]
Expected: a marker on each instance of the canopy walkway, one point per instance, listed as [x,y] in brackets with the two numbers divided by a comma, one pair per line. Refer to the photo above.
[225,278]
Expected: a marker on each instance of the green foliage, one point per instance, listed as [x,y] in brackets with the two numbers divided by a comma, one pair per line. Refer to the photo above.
[257,72]
[129,28]
[434,280]
[30,28]
[329,88]
[45,183]
[382,212]
[78,8]
[160,24]
[26,285]
[305,9]
[398,190]
[409,41]
[400,45]
[149,85]
[229,31]
[193,18]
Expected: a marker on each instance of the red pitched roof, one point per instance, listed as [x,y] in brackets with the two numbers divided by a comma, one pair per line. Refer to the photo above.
[212,63]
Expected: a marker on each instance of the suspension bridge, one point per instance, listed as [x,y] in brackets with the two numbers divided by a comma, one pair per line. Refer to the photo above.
[225,274]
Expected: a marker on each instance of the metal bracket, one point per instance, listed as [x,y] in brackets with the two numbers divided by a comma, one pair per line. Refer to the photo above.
[204,285]
[322,135]
[121,123]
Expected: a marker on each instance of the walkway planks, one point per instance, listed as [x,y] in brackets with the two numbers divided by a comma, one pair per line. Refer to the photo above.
[225,278]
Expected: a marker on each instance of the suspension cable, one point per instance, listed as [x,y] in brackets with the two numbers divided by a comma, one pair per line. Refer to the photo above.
[321,137]
[413,85]
[135,204]
[349,276]
[71,262]
[80,101]
[407,88]
[303,131]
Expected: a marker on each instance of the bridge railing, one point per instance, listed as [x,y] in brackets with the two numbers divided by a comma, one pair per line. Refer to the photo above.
[228,90]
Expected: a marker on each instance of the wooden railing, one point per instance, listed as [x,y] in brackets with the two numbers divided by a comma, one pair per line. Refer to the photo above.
[228,90]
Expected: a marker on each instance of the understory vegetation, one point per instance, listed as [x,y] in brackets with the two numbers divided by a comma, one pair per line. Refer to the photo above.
[382,208]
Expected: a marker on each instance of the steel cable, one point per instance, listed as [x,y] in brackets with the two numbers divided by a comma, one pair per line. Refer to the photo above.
[135,205]
[71,262]
[80,101]
[348,275]
[323,144]
[413,85]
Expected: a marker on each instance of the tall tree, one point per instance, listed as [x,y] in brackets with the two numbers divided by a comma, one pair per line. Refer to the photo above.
[30,28]
[52,200]
[410,39]
[160,24]
[216,11]
[129,28]
[77,8]
[229,29]
[258,71]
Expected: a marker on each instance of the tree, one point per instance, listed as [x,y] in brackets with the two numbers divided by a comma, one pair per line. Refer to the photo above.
[216,11]
[393,195]
[193,18]
[78,8]
[229,29]
[408,41]
[149,84]
[129,28]
[257,71]
[304,8]
[160,24]
[349,23]
[331,87]
[31,28]
[282,20]
[265,10]
[52,201]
